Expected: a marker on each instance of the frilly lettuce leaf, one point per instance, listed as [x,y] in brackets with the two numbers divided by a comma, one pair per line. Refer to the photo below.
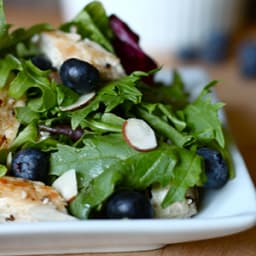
[27,135]
[110,96]
[25,115]
[203,120]
[7,65]
[99,16]
[10,41]
[186,174]
[173,93]
[92,22]
[31,78]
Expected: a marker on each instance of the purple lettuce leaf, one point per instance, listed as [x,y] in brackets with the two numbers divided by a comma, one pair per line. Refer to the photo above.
[127,48]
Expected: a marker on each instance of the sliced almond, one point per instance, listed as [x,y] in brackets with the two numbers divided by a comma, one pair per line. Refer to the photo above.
[82,101]
[139,134]
[66,185]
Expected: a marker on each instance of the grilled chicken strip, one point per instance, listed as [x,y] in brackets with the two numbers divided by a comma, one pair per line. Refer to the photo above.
[59,46]
[9,125]
[30,201]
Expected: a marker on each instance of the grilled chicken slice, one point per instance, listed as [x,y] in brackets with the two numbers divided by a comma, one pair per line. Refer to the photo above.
[9,125]
[30,201]
[184,209]
[59,46]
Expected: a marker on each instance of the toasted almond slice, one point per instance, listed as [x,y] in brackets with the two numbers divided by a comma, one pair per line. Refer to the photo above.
[66,185]
[139,134]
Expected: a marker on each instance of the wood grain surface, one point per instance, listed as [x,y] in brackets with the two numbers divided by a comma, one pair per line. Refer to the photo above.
[239,95]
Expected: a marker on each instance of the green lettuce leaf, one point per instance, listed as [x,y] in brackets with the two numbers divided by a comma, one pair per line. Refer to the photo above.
[9,41]
[100,18]
[202,118]
[153,167]
[92,22]
[7,65]
[3,170]
[187,173]
[32,79]
[65,95]
[110,96]
[28,135]
[164,128]
[173,94]
[90,161]
[25,115]
[166,113]
[107,122]
[18,41]
[93,196]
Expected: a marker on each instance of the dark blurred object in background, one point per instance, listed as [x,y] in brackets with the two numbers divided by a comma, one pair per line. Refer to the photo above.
[251,11]
[189,53]
[246,46]
[216,47]
[247,59]
[241,44]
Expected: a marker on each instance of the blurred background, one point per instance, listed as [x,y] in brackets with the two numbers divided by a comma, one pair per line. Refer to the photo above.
[162,25]
[218,36]
[208,30]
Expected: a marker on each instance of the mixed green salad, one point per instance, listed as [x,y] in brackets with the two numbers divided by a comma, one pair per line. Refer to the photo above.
[99,138]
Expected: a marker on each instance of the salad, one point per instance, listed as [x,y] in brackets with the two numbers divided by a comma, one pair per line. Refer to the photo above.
[87,132]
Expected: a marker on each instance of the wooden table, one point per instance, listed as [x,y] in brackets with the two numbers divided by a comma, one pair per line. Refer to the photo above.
[240,98]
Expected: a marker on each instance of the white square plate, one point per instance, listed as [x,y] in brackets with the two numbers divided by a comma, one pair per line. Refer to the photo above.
[227,211]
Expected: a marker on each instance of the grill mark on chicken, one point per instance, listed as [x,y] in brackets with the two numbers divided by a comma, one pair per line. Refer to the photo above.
[24,200]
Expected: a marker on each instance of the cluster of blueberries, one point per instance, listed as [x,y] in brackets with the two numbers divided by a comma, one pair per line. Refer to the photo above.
[216,49]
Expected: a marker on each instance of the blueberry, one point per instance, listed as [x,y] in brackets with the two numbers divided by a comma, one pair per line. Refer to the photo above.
[128,204]
[216,47]
[216,168]
[247,59]
[41,62]
[79,75]
[30,164]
